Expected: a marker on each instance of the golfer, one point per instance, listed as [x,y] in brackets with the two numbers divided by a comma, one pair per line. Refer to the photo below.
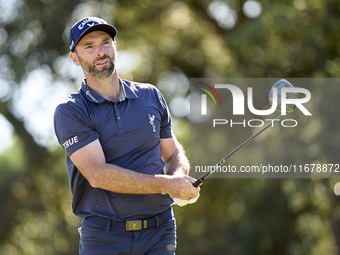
[125,166]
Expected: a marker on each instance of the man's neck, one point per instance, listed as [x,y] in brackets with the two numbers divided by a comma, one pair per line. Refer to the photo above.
[108,87]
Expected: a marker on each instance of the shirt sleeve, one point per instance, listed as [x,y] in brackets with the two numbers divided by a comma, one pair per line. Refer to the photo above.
[73,128]
[166,131]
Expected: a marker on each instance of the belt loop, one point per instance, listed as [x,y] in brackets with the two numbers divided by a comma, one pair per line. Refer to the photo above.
[108,225]
[157,222]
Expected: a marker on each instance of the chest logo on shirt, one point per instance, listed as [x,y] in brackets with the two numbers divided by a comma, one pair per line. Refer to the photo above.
[152,123]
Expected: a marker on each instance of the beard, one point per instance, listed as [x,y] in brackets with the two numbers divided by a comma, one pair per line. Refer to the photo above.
[95,71]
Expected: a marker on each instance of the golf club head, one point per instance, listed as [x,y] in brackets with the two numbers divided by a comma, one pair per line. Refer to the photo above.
[283,83]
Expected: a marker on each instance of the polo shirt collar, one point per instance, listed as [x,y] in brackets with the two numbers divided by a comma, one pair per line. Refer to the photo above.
[92,96]
[128,89]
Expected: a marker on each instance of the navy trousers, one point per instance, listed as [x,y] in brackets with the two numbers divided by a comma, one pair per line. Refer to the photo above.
[97,239]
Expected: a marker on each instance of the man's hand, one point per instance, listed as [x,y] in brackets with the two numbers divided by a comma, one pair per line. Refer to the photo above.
[191,200]
[181,187]
[182,190]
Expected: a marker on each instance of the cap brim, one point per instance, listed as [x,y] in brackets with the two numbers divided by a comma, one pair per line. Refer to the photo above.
[111,30]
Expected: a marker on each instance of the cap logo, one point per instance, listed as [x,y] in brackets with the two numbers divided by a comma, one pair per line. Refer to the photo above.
[81,25]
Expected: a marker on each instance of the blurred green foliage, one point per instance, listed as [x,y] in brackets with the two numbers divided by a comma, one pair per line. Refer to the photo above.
[169,42]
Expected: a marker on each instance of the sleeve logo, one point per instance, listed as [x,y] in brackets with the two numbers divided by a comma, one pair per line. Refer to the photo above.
[70,142]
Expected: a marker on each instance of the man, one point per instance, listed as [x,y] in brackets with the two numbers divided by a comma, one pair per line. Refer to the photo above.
[118,139]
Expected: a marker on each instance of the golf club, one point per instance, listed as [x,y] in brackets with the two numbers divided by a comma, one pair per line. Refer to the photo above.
[289,108]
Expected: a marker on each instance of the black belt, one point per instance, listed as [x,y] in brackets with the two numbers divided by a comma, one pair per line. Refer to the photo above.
[132,225]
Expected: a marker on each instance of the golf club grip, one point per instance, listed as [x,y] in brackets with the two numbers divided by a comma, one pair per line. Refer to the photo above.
[197,183]
[201,179]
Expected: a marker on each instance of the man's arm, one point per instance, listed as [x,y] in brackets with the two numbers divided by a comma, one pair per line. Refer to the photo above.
[176,163]
[90,161]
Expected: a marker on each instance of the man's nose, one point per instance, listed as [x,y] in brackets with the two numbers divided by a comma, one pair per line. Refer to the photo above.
[100,50]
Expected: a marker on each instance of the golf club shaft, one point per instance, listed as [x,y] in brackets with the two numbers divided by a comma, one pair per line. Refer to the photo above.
[206,175]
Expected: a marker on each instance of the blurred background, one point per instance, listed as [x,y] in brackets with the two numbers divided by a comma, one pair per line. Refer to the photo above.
[166,43]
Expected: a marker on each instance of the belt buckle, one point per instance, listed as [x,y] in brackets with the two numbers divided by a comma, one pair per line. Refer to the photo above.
[133,225]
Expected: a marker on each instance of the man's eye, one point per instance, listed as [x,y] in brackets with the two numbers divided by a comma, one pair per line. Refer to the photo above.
[88,47]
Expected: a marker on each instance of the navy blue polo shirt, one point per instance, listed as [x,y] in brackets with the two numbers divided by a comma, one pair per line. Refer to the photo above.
[129,131]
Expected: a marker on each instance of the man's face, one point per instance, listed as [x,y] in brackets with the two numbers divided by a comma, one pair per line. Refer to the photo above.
[95,52]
